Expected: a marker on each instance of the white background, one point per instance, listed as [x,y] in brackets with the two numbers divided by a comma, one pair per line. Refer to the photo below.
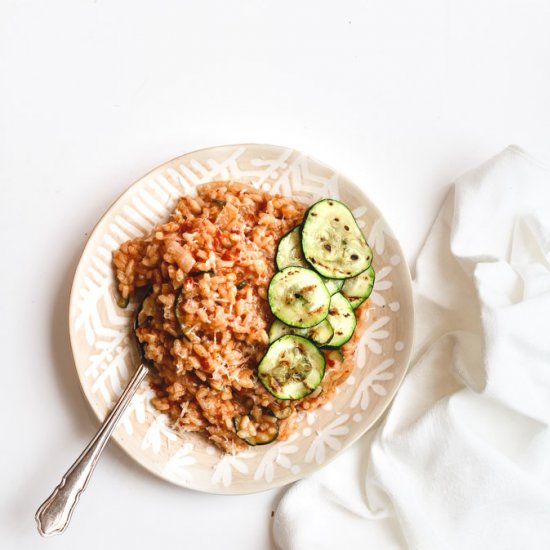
[400,96]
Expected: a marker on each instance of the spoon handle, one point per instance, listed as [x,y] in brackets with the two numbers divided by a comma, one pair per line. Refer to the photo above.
[54,514]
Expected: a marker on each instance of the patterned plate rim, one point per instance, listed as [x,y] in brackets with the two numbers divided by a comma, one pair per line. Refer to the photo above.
[290,478]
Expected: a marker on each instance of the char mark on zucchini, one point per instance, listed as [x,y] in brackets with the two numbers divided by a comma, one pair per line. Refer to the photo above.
[298,297]
[342,318]
[289,253]
[359,288]
[332,242]
[320,334]
[292,367]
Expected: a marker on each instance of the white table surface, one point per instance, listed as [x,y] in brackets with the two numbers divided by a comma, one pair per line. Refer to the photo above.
[400,96]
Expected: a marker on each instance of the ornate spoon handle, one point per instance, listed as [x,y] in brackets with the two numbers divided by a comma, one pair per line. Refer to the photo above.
[54,514]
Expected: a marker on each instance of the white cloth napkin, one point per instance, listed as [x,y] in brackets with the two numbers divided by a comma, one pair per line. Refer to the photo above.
[462,459]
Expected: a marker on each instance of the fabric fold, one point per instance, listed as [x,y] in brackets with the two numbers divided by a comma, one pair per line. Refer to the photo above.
[462,458]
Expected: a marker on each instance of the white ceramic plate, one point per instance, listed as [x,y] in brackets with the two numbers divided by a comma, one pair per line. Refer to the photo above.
[105,356]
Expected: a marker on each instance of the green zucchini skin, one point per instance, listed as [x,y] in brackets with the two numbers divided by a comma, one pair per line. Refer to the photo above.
[333,285]
[260,438]
[359,288]
[320,334]
[342,318]
[292,367]
[332,242]
[298,297]
[289,253]
[289,250]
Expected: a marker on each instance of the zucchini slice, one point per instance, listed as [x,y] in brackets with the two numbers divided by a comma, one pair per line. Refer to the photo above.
[342,318]
[320,334]
[260,427]
[292,367]
[332,241]
[333,285]
[298,297]
[289,252]
[358,289]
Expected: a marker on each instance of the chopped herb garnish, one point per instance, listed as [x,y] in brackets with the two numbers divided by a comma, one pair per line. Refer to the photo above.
[218,202]
[122,302]
[241,285]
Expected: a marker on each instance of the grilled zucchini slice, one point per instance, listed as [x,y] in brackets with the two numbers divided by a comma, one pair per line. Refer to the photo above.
[358,289]
[332,241]
[320,334]
[289,252]
[298,297]
[342,318]
[292,367]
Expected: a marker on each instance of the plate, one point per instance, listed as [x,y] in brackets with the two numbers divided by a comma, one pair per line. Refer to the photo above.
[105,355]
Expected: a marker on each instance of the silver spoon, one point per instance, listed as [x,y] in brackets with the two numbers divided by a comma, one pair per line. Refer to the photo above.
[54,515]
